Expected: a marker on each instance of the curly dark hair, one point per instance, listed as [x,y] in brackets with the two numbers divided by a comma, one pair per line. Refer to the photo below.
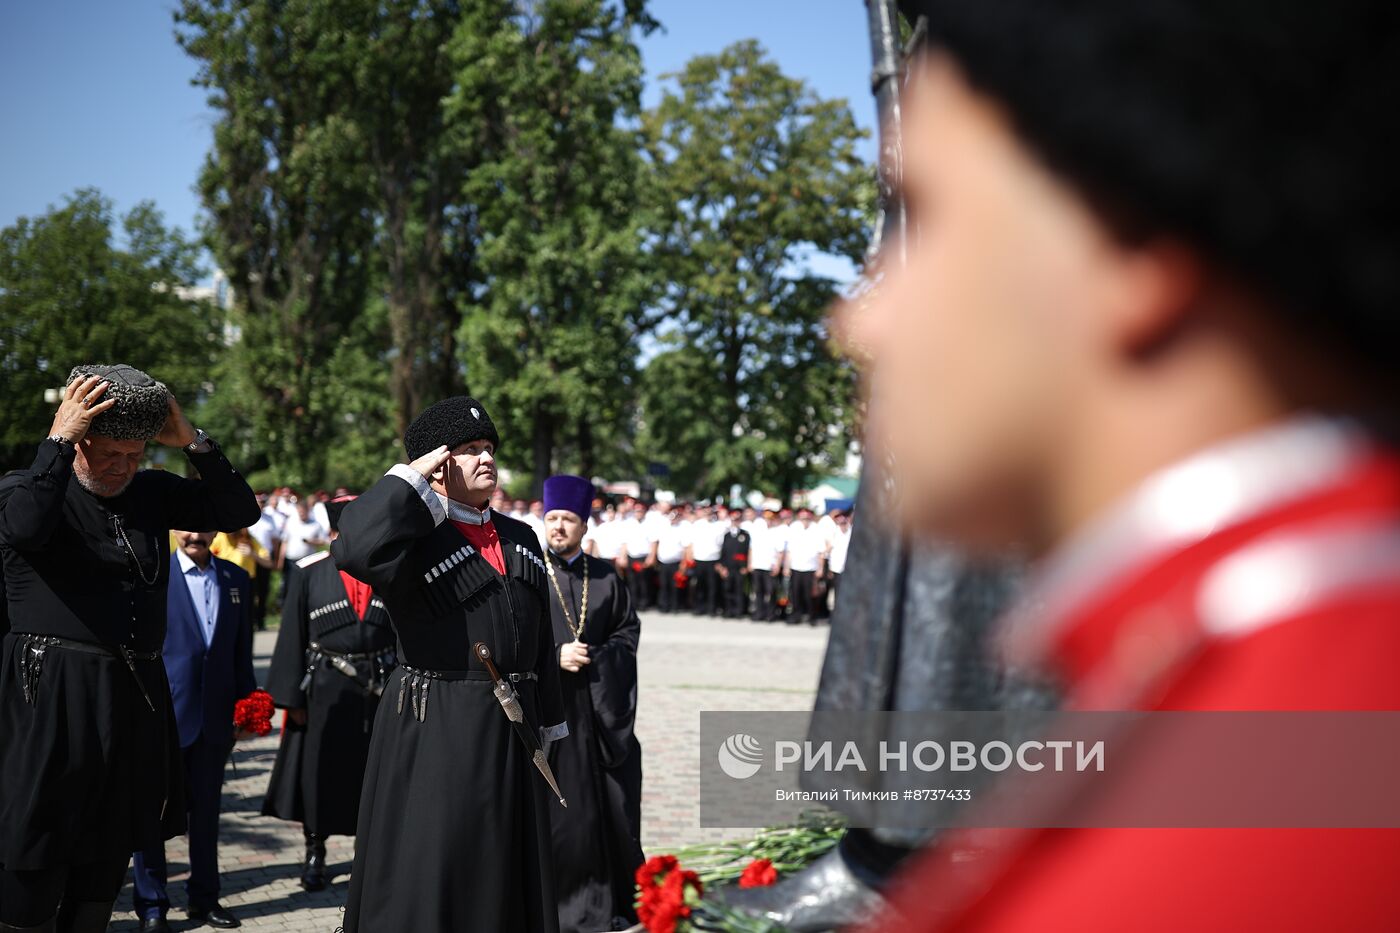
[1265,133]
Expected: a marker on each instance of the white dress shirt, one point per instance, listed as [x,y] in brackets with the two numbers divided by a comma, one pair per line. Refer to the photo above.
[670,547]
[804,547]
[706,538]
[298,536]
[840,544]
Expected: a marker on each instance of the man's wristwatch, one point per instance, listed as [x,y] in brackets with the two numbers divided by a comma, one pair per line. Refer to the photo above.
[200,444]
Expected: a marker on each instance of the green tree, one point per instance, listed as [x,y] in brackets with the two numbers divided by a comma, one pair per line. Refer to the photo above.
[751,174]
[289,191]
[548,339]
[79,286]
[418,153]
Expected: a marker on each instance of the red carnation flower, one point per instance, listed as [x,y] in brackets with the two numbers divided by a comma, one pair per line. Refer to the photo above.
[253,713]
[665,893]
[759,874]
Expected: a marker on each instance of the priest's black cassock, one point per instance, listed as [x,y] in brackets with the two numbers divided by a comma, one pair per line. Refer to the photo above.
[321,765]
[454,828]
[597,842]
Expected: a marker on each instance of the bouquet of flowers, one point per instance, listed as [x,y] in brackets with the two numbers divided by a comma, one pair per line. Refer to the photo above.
[253,713]
[670,898]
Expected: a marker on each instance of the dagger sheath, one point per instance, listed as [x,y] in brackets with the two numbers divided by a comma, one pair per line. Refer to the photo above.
[510,704]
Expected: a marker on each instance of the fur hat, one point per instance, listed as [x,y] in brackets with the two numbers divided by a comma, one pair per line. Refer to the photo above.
[142,404]
[452,421]
[335,507]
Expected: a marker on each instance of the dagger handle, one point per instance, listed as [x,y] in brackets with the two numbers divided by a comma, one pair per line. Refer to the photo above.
[484,653]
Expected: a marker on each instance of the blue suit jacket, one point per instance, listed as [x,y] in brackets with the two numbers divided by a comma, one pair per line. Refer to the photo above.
[206,680]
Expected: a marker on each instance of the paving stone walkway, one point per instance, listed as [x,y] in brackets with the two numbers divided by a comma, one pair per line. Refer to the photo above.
[686,664]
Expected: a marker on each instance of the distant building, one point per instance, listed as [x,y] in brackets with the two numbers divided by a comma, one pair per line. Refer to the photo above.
[833,492]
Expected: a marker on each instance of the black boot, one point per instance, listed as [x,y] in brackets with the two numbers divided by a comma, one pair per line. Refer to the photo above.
[313,874]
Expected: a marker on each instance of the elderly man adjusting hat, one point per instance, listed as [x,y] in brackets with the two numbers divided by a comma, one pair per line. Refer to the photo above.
[92,759]
[454,822]
[597,849]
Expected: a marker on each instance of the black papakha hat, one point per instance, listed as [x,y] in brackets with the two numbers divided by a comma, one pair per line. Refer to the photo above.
[335,507]
[451,421]
[142,404]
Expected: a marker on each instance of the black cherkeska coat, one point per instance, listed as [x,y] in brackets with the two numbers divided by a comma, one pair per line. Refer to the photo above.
[92,767]
[321,766]
[454,830]
[597,842]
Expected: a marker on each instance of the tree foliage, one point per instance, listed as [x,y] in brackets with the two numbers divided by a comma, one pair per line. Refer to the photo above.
[416,198]
[78,285]
[752,175]
[548,338]
[287,188]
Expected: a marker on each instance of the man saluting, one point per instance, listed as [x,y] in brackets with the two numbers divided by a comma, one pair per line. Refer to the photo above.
[597,845]
[454,828]
[92,759]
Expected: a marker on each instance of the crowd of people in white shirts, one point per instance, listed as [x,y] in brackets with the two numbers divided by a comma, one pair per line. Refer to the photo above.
[777,564]
[769,565]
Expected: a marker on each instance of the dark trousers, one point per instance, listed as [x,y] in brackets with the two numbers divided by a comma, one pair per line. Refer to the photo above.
[262,582]
[204,780]
[801,583]
[833,581]
[734,594]
[763,595]
[668,596]
[639,586]
[706,582]
[289,570]
[29,898]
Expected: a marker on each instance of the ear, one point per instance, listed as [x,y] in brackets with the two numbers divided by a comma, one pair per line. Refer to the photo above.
[1149,293]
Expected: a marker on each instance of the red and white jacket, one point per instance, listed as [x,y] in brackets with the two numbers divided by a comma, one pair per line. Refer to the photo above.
[1262,574]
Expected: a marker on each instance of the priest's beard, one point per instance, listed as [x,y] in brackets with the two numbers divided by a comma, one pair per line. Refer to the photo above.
[96,485]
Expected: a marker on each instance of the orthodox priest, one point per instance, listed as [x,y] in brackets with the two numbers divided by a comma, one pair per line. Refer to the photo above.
[597,844]
[334,654]
[87,734]
[454,827]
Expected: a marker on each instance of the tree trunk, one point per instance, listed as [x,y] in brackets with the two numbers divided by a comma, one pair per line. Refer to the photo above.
[543,448]
[587,463]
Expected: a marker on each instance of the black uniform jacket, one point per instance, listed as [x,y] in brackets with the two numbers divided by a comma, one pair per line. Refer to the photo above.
[454,827]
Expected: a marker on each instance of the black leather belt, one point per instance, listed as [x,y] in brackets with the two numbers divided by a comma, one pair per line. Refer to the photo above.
[34,647]
[417,682]
[466,675]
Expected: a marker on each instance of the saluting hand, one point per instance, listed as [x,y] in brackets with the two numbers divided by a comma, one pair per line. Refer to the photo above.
[430,464]
[82,401]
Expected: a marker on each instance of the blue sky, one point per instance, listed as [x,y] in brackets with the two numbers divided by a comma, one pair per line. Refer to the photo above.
[97,93]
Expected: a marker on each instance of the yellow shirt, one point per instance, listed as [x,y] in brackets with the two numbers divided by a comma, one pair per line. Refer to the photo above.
[224,547]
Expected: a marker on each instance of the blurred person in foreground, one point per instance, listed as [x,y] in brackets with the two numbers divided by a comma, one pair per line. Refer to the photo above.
[1147,329]
[597,843]
[334,654]
[88,738]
